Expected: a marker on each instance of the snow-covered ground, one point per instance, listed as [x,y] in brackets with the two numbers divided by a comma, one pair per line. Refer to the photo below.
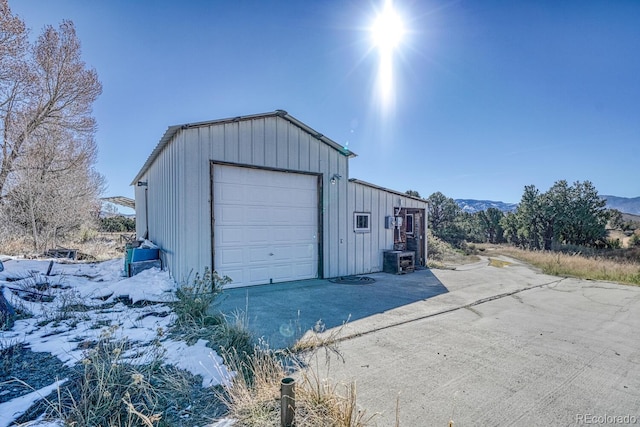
[101,289]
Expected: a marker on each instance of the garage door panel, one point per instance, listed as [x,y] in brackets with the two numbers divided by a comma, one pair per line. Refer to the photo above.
[227,192]
[257,195]
[230,215]
[303,234]
[258,255]
[280,215]
[287,234]
[303,252]
[301,216]
[256,215]
[265,225]
[304,269]
[230,236]
[258,275]
[282,253]
[257,236]
[280,234]
[282,272]
[227,175]
[235,274]
[304,197]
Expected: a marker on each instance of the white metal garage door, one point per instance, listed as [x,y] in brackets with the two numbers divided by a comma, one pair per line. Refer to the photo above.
[265,225]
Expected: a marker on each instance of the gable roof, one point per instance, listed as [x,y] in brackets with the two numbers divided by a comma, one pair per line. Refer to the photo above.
[172,130]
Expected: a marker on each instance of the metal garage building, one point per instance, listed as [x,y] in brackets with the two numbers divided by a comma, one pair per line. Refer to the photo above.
[265,198]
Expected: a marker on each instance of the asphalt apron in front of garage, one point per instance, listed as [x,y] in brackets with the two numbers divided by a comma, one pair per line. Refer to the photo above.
[281,313]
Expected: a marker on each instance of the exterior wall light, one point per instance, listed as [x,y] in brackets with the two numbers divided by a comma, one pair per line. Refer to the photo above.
[335,177]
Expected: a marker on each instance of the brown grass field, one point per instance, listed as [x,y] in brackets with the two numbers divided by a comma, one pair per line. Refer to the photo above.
[619,266]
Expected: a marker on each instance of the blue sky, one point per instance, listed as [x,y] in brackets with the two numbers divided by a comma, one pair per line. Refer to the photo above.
[490,95]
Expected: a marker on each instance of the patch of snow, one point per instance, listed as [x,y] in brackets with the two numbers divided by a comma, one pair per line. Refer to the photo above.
[43,423]
[149,285]
[148,244]
[199,360]
[18,406]
[225,422]
[83,302]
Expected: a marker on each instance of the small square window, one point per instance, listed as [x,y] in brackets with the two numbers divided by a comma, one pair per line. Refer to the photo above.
[408,221]
[361,222]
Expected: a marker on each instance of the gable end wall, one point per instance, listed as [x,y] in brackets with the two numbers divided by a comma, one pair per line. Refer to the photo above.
[179,187]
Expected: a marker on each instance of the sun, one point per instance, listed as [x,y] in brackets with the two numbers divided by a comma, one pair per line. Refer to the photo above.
[387,32]
[387,29]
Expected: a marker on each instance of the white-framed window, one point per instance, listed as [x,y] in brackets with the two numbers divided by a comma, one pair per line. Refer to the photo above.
[361,222]
[408,222]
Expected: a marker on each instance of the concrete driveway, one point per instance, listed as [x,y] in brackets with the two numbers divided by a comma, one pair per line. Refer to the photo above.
[504,347]
[281,313]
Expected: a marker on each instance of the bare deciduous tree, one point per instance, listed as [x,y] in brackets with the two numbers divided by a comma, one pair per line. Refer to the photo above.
[48,184]
[57,191]
[15,84]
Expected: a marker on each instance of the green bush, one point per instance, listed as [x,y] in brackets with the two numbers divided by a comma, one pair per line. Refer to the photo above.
[614,243]
[118,224]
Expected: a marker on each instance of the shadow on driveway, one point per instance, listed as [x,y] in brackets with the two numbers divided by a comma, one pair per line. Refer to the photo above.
[281,313]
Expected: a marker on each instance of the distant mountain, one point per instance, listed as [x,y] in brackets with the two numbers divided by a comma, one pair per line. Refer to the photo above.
[473,206]
[630,205]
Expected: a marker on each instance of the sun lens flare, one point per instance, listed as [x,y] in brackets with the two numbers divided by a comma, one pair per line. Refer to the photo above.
[387,32]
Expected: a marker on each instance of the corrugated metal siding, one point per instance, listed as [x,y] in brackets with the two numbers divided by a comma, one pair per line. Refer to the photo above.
[179,186]
[365,249]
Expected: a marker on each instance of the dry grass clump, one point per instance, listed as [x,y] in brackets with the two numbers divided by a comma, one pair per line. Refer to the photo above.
[111,390]
[322,402]
[91,246]
[253,395]
[15,246]
[117,386]
[498,263]
[100,248]
[576,265]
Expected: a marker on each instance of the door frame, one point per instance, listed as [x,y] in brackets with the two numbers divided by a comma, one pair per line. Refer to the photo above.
[319,207]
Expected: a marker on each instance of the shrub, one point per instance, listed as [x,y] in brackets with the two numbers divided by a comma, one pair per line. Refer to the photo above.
[117,224]
[196,299]
[437,247]
[196,317]
[614,243]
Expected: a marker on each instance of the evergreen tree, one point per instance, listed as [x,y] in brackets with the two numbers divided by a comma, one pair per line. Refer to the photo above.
[565,214]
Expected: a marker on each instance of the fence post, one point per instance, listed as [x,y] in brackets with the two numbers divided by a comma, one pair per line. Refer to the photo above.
[287,401]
